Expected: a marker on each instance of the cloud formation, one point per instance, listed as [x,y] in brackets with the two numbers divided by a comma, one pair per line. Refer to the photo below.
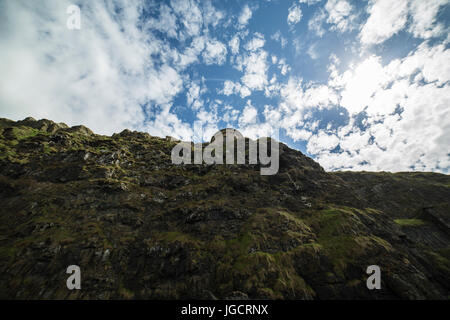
[387,18]
[295,14]
[357,85]
[396,100]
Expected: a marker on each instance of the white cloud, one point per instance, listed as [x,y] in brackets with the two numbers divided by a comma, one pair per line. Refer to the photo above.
[190,55]
[298,134]
[254,65]
[386,18]
[322,142]
[320,97]
[167,123]
[234,44]
[51,72]
[193,96]
[166,22]
[279,38]
[274,87]
[118,66]
[407,123]
[193,93]
[283,66]
[249,115]
[294,110]
[361,83]
[294,15]
[189,14]
[215,52]
[256,43]
[250,125]
[244,91]
[337,13]
[272,115]
[230,115]
[169,84]
[316,22]
[211,15]
[209,120]
[340,15]
[245,16]
[103,75]
[274,59]
[230,87]
[424,14]
[297,98]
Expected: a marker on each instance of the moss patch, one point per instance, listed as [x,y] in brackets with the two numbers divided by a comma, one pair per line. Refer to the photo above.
[410,222]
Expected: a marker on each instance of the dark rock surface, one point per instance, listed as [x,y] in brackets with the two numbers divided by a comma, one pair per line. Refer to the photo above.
[140,227]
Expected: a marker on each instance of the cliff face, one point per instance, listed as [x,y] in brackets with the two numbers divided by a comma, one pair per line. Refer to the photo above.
[140,227]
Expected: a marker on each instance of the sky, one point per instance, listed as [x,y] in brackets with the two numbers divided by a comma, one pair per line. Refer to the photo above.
[356,85]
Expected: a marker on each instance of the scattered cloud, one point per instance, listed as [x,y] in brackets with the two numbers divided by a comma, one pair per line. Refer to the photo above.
[230,87]
[395,100]
[212,16]
[322,142]
[294,15]
[279,38]
[424,14]
[315,24]
[254,65]
[189,14]
[255,43]
[54,72]
[166,22]
[193,95]
[215,52]
[340,15]
[249,114]
[283,66]
[386,18]
[234,44]
[245,16]
[363,104]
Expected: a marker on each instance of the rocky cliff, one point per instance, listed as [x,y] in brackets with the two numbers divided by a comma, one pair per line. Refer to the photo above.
[140,227]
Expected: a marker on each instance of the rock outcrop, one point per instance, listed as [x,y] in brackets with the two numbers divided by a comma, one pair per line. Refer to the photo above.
[140,227]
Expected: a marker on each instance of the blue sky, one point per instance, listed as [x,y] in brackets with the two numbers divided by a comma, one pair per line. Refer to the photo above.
[357,85]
